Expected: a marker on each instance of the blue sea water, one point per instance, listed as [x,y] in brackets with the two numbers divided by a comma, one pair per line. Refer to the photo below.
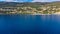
[29,24]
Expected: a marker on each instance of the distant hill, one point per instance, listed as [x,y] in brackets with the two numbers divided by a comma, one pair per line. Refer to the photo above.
[15,4]
[25,3]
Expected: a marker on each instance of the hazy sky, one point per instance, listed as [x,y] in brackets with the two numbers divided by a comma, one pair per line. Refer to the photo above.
[29,0]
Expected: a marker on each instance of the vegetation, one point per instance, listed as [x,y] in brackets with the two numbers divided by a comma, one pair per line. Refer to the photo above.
[29,8]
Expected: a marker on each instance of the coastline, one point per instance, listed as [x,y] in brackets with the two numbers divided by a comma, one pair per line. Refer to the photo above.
[57,13]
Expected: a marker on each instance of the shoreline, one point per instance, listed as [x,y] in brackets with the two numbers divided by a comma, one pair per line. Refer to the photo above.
[58,13]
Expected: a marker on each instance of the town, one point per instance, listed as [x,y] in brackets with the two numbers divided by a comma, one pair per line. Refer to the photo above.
[29,10]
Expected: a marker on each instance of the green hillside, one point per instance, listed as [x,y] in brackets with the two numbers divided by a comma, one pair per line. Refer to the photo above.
[29,7]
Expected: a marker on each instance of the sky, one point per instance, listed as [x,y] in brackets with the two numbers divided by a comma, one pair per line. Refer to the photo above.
[29,0]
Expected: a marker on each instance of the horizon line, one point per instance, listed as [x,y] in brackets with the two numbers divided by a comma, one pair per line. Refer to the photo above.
[23,1]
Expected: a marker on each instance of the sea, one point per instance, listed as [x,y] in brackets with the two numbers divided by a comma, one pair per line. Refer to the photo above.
[29,24]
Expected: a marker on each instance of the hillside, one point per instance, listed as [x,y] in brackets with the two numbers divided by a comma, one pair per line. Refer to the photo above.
[30,7]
